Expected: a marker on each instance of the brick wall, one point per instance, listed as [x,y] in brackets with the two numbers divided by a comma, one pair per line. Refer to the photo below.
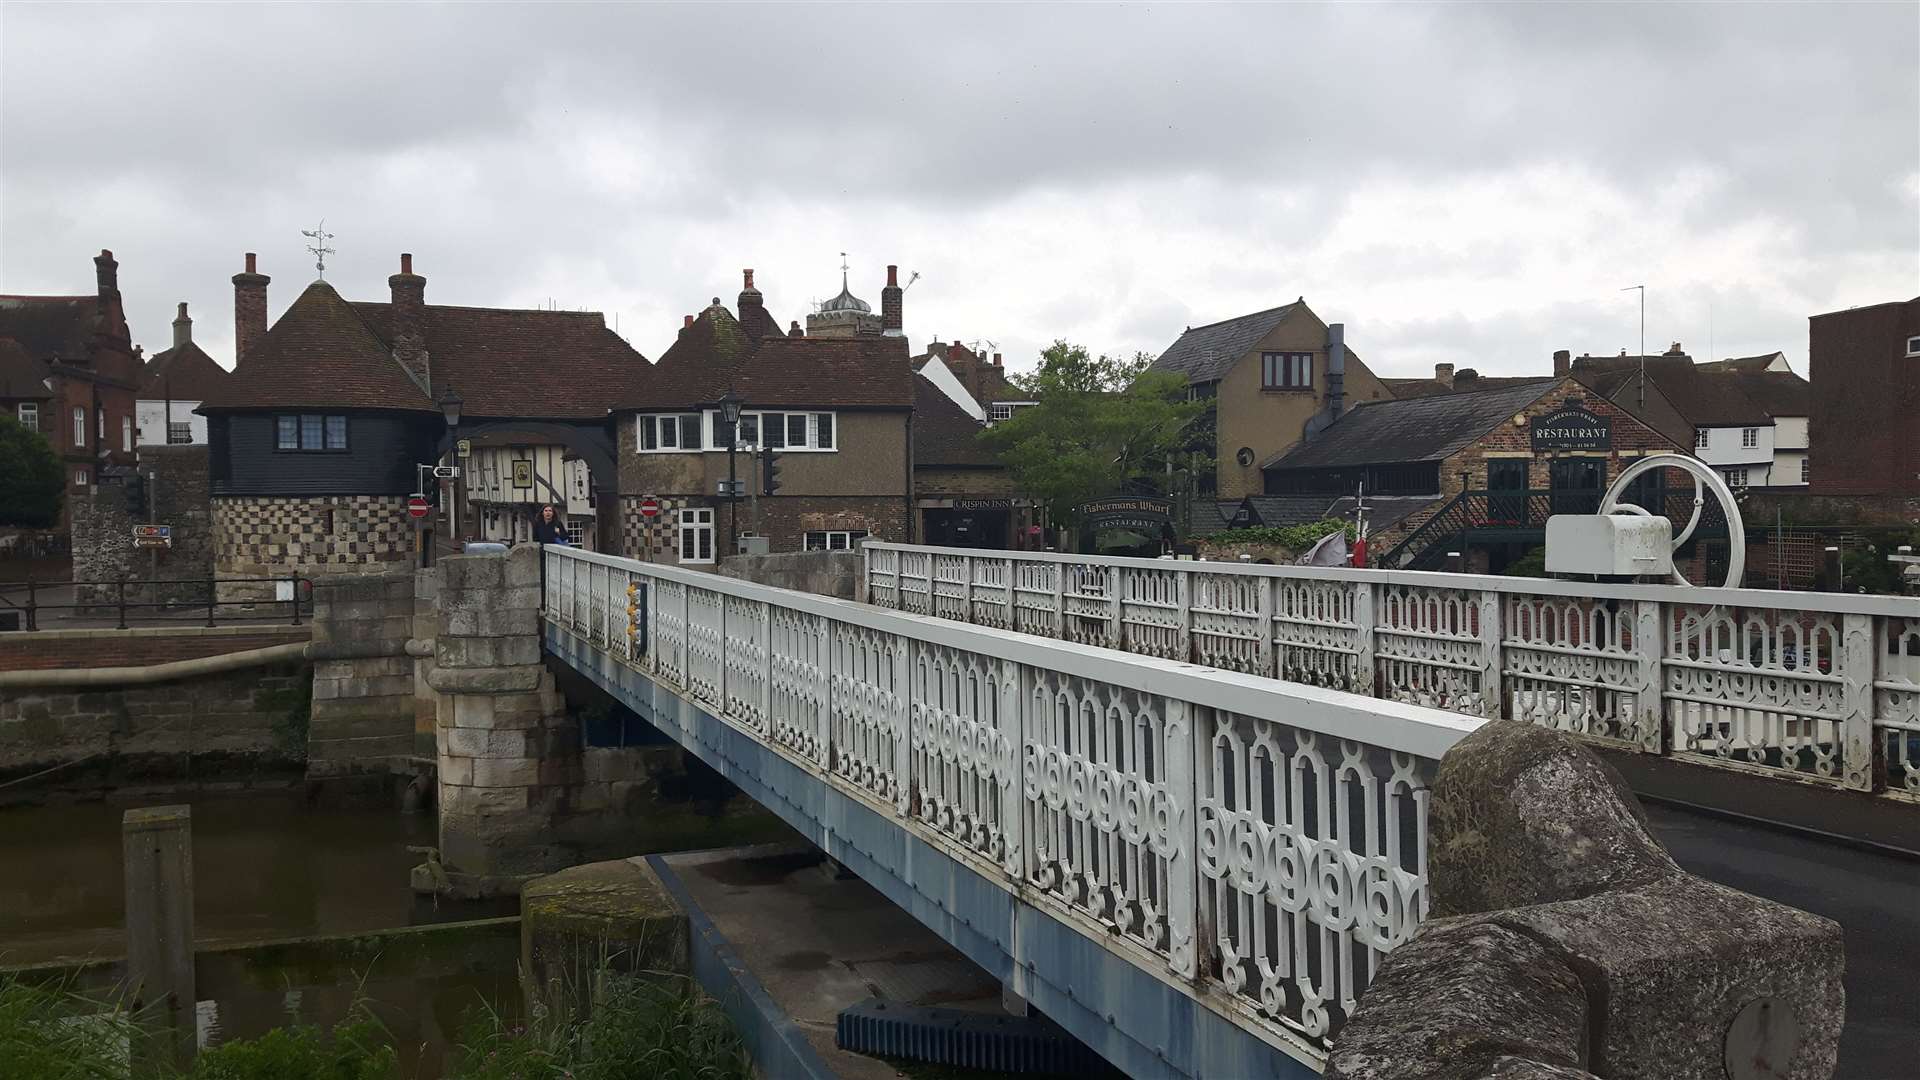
[229,727]
[944,483]
[784,519]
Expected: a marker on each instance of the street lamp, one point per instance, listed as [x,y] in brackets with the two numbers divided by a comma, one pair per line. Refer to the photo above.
[730,416]
[450,411]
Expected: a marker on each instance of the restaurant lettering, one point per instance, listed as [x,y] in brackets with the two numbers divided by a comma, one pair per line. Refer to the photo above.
[1572,429]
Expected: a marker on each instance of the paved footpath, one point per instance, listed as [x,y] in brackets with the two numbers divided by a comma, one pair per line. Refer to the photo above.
[1875,897]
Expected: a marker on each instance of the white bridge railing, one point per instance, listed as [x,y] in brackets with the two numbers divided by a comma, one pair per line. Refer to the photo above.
[1822,687]
[1259,842]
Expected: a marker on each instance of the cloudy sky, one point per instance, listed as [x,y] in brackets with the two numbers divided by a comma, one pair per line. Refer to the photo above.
[1468,183]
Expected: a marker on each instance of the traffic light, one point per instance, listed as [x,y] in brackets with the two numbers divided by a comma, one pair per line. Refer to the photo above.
[136,488]
[770,466]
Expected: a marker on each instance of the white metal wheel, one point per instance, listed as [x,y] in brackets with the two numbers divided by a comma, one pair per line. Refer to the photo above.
[1704,479]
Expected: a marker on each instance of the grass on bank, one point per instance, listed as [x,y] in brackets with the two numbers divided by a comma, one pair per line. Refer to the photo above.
[656,1027]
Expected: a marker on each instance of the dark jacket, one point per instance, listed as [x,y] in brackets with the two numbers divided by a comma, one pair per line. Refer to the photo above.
[549,532]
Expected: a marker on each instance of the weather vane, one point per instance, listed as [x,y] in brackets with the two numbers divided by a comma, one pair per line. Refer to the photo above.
[319,235]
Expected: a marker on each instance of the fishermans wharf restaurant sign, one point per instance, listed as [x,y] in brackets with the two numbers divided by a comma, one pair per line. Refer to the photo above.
[1136,513]
[1572,429]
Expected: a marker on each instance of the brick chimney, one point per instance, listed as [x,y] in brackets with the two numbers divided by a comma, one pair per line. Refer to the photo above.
[1443,374]
[1562,363]
[686,323]
[749,297]
[892,304]
[1336,369]
[182,327]
[796,330]
[106,273]
[410,323]
[249,310]
[996,359]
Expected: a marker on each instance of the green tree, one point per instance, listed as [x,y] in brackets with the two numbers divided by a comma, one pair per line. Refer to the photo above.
[30,481]
[1101,426]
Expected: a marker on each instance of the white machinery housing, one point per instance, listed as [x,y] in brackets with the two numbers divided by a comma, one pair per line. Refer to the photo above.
[1627,540]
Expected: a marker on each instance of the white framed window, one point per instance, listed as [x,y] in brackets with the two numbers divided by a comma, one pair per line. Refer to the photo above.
[79,425]
[180,432]
[1913,346]
[1749,438]
[29,413]
[1699,438]
[670,433]
[1737,478]
[781,430]
[126,433]
[834,539]
[80,477]
[1806,470]
[1000,410]
[1286,371]
[696,534]
[799,431]
[576,534]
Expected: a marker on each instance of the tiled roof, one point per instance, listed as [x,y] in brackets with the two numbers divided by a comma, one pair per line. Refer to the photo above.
[1780,393]
[324,352]
[50,326]
[1204,353]
[184,373]
[505,362]
[1413,429]
[21,376]
[1704,398]
[1473,381]
[320,353]
[943,434]
[1741,363]
[716,353]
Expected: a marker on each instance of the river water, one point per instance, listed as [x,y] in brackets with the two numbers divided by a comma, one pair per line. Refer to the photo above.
[266,867]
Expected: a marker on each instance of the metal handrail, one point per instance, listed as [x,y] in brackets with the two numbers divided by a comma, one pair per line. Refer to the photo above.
[33,604]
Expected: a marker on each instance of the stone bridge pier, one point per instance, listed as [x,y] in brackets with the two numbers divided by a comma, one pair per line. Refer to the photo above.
[508,755]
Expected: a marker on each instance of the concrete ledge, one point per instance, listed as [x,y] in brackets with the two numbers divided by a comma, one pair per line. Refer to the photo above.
[155,673]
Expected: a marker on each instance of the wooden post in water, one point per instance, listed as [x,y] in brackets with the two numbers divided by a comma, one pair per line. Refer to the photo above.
[157,847]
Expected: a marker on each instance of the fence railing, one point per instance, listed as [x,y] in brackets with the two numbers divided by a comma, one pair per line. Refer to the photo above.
[1264,842]
[1821,687]
[169,600]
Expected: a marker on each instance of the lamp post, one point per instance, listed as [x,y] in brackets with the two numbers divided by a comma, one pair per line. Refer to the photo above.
[450,411]
[730,416]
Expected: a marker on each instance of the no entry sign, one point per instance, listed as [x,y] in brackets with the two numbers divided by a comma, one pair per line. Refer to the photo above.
[417,506]
[649,507]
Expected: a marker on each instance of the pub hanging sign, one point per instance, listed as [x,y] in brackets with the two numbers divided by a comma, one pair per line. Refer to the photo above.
[1572,429]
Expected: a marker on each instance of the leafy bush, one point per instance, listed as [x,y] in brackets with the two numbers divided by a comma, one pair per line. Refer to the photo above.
[357,1048]
[54,1034]
[1533,564]
[661,1028]
[1291,537]
[31,481]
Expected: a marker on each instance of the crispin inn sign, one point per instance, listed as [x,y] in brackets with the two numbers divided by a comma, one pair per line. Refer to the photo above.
[1572,429]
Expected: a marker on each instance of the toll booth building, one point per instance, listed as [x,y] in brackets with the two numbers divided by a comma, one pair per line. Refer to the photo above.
[1491,465]
[318,438]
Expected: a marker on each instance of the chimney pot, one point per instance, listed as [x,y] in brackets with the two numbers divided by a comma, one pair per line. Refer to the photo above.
[893,275]
[106,273]
[406,262]
[1562,361]
[250,268]
[1443,374]
[795,330]
[996,359]
[182,327]
[748,275]
[687,323]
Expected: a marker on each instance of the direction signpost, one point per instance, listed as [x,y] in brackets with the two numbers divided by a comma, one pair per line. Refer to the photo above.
[153,536]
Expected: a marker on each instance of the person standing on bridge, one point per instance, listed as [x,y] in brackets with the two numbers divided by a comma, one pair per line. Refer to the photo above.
[549,527]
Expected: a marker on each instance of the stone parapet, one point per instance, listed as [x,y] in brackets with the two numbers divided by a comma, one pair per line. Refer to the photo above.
[1566,943]
[363,677]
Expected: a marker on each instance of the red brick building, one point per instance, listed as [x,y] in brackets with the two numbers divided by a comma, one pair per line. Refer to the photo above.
[67,364]
[1864,364]
[1492,464]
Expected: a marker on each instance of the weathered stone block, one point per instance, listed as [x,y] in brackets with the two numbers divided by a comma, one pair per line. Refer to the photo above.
[459,801]
[611,914]
[522,568]
[485,680]
[472,572]
[506,772]
[455,770]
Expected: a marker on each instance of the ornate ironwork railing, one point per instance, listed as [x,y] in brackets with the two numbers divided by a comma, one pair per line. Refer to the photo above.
[1820,687]
[1260,842]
